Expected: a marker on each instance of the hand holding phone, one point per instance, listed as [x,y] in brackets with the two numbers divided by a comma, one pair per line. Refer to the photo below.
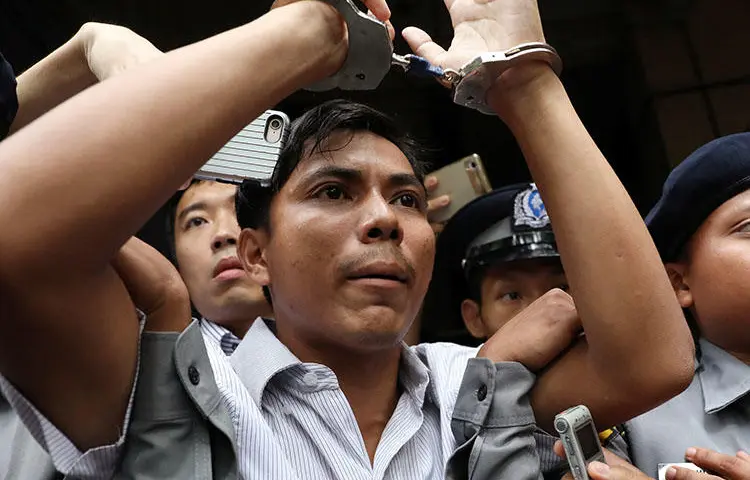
[615,469]
[580,439]
[434,204]
[462,182]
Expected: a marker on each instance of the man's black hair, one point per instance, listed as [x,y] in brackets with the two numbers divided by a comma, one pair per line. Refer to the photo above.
[309,134]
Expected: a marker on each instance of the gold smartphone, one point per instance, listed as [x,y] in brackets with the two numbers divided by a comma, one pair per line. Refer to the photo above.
[464,181]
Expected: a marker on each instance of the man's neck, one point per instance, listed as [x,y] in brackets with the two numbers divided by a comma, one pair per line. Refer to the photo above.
[369,382]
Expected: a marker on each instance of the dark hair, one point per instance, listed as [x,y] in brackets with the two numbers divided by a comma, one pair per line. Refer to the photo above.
[308,135]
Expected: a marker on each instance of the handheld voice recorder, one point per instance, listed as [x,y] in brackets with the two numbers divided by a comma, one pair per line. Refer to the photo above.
[580,440]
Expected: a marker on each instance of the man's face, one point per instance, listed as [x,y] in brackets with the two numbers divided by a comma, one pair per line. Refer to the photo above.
[716,275]
[350,252]
[509,288]
[206,233]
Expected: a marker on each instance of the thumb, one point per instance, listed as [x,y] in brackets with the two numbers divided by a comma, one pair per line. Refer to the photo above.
[599,471]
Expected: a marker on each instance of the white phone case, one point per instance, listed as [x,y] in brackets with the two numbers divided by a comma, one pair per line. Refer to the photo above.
[252,153]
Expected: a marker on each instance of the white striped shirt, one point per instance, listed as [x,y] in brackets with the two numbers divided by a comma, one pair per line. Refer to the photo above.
[291,419]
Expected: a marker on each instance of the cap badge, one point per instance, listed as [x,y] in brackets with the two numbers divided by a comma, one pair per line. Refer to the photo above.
[529,210]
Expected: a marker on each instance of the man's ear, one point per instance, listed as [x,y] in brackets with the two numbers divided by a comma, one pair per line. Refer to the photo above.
[678,276]
[251,252]
[472,319]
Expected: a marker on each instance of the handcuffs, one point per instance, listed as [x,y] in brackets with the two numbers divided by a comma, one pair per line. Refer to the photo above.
[370,52]
[371,56]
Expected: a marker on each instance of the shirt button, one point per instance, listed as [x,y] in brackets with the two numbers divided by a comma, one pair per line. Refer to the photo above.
[310,380]
[194,375]
[482,392]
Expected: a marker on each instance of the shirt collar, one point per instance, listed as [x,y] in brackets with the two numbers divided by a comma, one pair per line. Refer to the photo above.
[414,377]
[222,337]
[724,378]
[213,331]
[261,356]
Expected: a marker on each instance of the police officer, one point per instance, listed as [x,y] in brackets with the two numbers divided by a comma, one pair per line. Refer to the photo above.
[502,240]
[495,257]
[700,226]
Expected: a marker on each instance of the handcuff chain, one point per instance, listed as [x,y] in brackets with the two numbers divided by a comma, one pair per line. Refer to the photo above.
[452,77]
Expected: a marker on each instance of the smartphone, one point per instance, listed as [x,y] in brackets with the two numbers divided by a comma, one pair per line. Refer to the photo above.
[663,467]
[580,440]
[252,153]
[464,181]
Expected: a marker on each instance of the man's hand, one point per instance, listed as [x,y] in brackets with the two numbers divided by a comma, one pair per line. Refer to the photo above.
[435,204]
[154,285]
[96,52]
[537,335]
[729,467]
[480,27]
[111,49]
[615,469]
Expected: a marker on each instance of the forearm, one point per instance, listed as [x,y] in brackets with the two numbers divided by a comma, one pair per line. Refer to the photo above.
[57,77]
[574,379]
[621,290]
[97,167]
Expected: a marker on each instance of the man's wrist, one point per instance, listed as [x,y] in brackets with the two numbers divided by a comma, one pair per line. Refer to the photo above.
[321,32]
[521,87]
[492,354]
[75,61]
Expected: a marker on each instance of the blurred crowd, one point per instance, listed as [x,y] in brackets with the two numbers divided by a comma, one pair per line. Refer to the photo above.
[278,337]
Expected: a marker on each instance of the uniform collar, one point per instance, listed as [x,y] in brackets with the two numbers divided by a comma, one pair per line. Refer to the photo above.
[724,378]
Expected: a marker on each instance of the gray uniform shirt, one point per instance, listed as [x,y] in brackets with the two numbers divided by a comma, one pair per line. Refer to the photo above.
[714,412]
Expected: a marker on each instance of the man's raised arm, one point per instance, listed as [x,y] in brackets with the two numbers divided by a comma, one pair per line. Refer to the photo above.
[638,341]
[81,179]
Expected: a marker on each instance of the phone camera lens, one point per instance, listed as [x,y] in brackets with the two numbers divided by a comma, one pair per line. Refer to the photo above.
[561,426]
[275,124]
